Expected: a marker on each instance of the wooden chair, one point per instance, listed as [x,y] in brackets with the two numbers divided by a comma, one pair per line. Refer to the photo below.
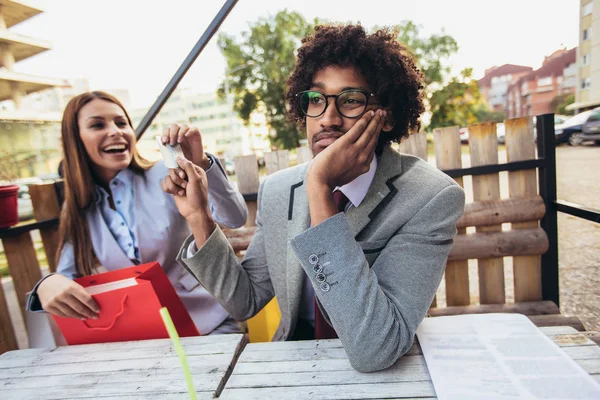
[21,254]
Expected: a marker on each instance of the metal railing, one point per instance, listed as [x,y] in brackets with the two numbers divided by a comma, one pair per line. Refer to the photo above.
[545,163]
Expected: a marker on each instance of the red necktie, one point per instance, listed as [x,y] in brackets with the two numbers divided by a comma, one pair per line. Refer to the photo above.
[340,200]
[322,329]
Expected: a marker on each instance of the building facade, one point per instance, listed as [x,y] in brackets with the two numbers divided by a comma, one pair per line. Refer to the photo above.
[223,133]
[587,94]
[541,91]
[495,82]
[29,139]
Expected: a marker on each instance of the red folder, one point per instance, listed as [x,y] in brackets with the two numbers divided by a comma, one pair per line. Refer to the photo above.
[131,312]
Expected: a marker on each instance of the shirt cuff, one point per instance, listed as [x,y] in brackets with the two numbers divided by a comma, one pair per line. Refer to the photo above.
[33,301]
[192,249]
[211,158]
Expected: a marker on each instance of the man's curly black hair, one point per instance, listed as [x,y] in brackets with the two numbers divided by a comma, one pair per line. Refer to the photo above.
[389,68]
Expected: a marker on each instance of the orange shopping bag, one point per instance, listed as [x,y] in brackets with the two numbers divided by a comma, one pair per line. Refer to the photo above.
[129,300]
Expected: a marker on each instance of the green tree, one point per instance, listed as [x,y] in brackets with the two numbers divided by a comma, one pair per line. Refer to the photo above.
[432,52]
[268,47]
[562,102]
[457,103]
[484,114]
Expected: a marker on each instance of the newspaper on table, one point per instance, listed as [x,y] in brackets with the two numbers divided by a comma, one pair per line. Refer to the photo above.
[497,357]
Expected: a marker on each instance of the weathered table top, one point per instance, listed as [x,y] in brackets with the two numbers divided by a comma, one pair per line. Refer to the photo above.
[127,370]
[320,370]
[284,370]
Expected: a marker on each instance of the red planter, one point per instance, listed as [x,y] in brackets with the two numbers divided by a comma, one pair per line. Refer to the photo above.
[9,215]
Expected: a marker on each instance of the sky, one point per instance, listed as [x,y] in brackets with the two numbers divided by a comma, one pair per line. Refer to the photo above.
[139,44]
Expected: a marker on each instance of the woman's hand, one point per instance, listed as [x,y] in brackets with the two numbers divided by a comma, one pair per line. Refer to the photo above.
[61,296]
[190,140]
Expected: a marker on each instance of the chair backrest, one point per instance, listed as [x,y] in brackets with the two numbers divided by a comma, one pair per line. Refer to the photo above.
[22,256]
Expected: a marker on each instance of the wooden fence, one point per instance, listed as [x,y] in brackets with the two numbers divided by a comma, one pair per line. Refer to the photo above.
[499,227]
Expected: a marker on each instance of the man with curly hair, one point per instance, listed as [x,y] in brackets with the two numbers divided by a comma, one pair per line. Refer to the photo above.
[355,242]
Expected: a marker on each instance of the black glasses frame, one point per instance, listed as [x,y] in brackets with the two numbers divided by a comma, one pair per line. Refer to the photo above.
[368,95]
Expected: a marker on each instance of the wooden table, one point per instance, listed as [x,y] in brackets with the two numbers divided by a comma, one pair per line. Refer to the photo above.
[127,370]
[320,370]
[284,370]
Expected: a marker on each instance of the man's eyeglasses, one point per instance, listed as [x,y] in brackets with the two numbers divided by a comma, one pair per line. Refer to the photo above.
[351,103]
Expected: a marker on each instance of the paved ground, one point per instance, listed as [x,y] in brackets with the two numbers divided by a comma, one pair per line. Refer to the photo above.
[579,242]
[578,170]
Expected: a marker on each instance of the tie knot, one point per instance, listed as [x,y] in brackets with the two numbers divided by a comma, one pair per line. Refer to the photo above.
[340,200]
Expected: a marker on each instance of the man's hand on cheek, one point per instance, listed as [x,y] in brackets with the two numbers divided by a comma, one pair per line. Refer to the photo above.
[348,157]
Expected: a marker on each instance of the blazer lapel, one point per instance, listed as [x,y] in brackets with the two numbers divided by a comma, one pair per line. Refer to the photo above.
[381,191]
[298,222]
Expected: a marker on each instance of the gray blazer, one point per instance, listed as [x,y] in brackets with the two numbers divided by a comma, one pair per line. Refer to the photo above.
[383,260]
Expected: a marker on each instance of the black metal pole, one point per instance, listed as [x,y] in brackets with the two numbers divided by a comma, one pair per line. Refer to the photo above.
[547,177]
[577,210]
[185,66]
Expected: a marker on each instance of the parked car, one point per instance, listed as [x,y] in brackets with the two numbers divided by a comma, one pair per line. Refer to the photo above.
[500,131]
[464,135]
[229,167]
[559,119]
[25,207]
[589,131]
[563,133]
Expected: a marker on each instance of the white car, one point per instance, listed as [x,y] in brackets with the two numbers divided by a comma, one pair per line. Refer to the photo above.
[464,133]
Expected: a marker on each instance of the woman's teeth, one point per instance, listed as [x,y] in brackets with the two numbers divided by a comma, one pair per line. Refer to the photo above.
[115,148]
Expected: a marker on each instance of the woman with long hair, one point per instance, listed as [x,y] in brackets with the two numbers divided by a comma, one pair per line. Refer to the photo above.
[115,213]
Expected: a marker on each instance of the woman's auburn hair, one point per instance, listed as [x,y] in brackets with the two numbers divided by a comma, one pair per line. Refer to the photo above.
[80,182]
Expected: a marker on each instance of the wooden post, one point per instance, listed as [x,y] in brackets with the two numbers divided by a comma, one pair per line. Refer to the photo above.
[8,341]
[22,264]
[483,144]
[271,162]
[520,146]
[448,156]
[303,154]
[415,144]
[276,160]
[246,171]
[45,206]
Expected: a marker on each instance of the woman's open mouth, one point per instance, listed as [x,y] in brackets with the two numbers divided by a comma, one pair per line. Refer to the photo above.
[120,148]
